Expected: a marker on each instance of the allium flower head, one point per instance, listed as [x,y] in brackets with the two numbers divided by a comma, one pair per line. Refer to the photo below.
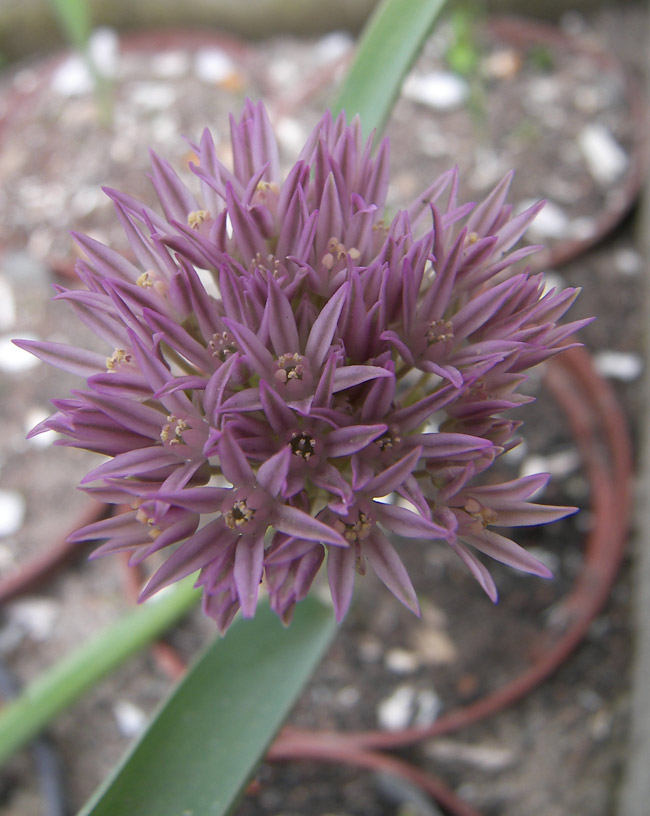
[291,377]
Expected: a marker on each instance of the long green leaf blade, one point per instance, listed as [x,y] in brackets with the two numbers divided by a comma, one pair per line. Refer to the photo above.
[391,41]
[203,746]
[74,17]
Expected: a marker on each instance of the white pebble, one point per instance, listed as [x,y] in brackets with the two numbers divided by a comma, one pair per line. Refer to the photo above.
[14,360]
[213,65]
[12,512]
[440,90]
[400,661]
[130,719]
[619,365]
[428,707]
[628,262]
[86,199]
[7,557]
[290,134]
[36,617]
[170,64]
[153,95]
[485,757]
[332,46]
[550,222]
[283,71]
[7,305]
[559,465]
[348,696]
[395,712]
[531,466]
[103,47]
[72,77]
[606,159]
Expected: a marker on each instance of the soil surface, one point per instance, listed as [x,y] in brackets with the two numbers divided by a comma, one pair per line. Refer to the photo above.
[564,119]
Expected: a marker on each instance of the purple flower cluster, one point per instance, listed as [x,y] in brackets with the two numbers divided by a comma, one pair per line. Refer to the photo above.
[293,378]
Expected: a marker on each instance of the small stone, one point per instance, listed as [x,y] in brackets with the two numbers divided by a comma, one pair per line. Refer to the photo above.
[86,199]
[440,90]
[628,262]
[601,725]
[485,757]
[170,64]
[131,719]
[434,646]
[605,158]
[72,77]
[290,134]
[428,707]
[396,711]
[559,464]
[332,47]
[400,661]
[12,512]
[550,222]
[104,47]
[213,65]
[35,616]
[153,95]
[7,305]
[348,697]
[619,365]
[283,71]
[370,649]
[502,64]
[14,360]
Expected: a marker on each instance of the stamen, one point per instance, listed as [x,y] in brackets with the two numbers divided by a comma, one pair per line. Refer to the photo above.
[355,532]
[290,367]
[117,357]
[143,518]
[177,426]
[480,513]
[196,218]
[389,438]
[222,345]
[303,445]
[439,331]
[146,280]
[238,515]
[336,252]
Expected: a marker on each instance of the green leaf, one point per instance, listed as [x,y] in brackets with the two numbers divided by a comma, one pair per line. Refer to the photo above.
[391,40]
[74,16]
[205,743]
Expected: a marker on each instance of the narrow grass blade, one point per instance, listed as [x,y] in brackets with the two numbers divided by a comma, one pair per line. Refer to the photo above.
[391,40]
[74,17]
[59,687]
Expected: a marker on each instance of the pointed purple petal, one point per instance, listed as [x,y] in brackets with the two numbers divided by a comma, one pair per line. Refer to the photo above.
[294,522]
[391,571]
[340,573]
[247,572]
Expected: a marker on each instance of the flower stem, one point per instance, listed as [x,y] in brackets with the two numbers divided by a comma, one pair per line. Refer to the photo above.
[67,680]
